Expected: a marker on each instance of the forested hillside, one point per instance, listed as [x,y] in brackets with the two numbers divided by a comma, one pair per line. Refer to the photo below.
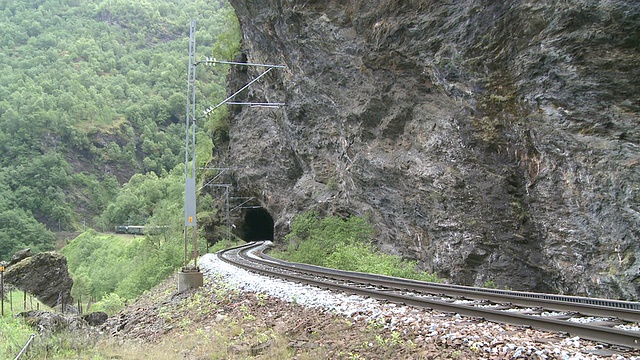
[91,93]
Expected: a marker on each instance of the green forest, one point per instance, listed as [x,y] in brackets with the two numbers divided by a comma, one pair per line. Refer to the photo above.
[92,111]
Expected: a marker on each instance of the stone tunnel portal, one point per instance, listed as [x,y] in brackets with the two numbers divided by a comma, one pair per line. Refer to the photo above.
[257,225]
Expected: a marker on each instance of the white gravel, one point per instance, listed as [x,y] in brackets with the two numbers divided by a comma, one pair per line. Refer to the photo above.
[488,339]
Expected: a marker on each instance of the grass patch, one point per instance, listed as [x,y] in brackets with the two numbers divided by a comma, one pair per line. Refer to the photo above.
[225,244]
[16,301]
[15,333]
[344,244]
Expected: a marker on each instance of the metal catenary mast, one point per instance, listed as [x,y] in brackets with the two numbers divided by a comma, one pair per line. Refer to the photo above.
[190,276]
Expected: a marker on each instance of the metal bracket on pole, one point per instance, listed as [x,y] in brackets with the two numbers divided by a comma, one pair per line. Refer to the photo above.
[213,61]
[222,170]
[247,199]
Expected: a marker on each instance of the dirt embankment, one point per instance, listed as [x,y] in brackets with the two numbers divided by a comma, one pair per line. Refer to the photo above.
[219,322]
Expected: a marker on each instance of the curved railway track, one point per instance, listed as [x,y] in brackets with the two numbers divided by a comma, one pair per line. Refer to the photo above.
[609,321]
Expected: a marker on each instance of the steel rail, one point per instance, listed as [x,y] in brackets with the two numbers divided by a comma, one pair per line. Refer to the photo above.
[624,310]
[613,336]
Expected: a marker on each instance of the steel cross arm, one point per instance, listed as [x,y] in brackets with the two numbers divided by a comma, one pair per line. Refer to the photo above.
[257,104]
[209,110]
[215,168]
[221,185]
[242,203]
[222,170]
[213,61]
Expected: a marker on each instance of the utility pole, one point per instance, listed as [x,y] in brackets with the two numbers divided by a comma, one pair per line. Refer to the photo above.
[190,276]
[2,264]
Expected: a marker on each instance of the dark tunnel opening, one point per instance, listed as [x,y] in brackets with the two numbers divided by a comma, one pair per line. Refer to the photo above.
[258,225]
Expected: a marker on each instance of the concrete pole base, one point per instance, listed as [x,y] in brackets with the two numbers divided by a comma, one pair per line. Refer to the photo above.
[189,280]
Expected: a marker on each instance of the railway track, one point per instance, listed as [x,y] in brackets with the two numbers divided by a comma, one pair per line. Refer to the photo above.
[608,321]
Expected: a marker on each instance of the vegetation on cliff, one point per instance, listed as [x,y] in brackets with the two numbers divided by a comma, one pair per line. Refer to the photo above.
[344,244]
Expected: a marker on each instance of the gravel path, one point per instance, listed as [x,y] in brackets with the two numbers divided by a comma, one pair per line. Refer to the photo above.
[487,340]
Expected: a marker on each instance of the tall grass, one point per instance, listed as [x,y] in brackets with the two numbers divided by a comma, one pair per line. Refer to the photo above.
[15,334]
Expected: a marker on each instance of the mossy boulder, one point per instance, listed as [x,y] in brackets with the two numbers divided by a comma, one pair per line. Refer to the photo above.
[44,275]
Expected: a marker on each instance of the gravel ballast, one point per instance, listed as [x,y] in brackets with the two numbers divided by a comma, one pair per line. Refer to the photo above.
[486,339]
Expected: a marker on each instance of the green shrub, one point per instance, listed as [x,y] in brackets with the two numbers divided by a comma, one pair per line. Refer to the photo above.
[490,284]
[344,244]
[313,239]
[123,266]
[111,304]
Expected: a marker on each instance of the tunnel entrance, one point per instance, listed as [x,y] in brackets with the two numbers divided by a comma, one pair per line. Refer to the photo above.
[257,225]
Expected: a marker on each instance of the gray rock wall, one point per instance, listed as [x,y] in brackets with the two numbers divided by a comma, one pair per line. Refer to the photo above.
[490,140]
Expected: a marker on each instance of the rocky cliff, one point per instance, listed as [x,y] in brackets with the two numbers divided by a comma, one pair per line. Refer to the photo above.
[491,140]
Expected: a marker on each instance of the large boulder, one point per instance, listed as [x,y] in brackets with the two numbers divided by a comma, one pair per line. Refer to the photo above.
[47,322]
[95,318]
[20,255]
[44,275]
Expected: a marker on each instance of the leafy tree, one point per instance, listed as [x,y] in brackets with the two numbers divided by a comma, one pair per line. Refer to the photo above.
[111,304]
[19,230]
[148,199]
[92,93]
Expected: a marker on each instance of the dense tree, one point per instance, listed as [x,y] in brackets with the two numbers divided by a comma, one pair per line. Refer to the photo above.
[19,229]
[91,93]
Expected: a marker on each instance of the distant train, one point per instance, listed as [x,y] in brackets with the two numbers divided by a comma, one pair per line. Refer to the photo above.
[139,230]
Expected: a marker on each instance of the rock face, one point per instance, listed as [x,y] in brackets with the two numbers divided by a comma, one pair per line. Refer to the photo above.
[95,318]
[491,140]
[44,275]
[20,255]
